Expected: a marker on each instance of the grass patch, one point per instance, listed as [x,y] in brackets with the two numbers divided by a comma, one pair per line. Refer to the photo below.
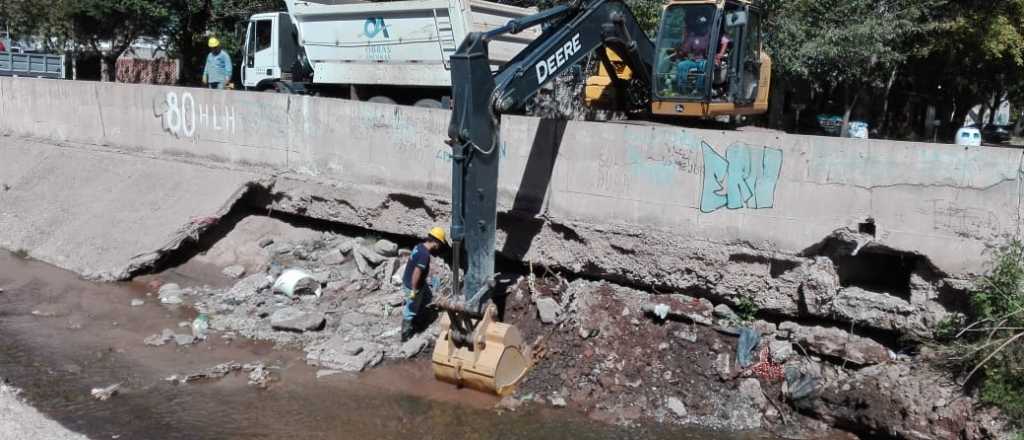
[988,347]
[746,309]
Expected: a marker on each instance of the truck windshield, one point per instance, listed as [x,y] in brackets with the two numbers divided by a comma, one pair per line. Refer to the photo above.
[682,50]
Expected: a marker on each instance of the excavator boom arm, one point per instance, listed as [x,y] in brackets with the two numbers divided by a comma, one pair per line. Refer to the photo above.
[472,348]
[480,97]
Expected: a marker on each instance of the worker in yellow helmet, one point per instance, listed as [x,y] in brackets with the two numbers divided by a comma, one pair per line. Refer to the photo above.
[217,73]
[414,280]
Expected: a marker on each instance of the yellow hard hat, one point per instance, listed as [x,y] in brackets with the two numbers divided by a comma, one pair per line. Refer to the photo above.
[438,233]
[214,42]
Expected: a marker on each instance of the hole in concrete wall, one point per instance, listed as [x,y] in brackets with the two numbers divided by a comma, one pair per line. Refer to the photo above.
[780,267]
[867,227]
[880,272]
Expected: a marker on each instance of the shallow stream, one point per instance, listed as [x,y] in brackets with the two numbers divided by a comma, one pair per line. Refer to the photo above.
[61,336]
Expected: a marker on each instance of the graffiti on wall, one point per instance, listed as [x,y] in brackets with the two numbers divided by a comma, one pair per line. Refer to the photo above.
[181,116]
[745,177]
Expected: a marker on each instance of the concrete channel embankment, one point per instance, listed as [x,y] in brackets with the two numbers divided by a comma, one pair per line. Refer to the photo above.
[628,202]
[815,235]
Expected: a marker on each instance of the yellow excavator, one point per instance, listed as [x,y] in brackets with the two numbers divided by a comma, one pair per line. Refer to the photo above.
[707,61]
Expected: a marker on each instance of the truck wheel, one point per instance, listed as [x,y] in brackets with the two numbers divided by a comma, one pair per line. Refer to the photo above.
[428,103]
[381,100]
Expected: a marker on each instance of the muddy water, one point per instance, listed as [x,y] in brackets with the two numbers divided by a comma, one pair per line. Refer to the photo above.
[60,337]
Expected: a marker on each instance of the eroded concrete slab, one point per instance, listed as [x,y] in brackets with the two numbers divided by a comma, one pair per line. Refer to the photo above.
[101,213]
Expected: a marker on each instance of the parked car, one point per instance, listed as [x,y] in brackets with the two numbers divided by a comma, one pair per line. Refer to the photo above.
[996,134]
[970,136]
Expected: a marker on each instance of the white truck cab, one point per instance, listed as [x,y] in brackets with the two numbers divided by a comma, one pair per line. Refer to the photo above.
[394,52]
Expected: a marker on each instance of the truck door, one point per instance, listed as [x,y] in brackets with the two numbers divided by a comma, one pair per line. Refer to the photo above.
[261,60]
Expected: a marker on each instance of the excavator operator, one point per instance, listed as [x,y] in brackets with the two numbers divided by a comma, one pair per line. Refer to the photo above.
[691,53]
[414,280]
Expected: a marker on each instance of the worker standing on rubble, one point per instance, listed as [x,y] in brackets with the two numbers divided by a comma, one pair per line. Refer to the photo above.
[414,280]
[217,73]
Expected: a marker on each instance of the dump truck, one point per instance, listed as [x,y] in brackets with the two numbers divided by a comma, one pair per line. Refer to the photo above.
[389,52]
[35,65]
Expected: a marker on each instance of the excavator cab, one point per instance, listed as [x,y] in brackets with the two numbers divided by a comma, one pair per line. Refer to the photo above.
[709,60]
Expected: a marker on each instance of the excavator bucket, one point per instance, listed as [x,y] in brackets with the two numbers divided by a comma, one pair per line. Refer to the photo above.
[479,353]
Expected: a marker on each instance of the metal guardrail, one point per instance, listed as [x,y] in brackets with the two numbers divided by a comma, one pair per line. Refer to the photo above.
[32,65]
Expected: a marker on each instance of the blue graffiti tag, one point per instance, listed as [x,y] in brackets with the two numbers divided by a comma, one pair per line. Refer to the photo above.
[746,176]
[373,26]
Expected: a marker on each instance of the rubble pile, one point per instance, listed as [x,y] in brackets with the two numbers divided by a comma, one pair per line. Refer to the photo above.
[623,355]
[341,302]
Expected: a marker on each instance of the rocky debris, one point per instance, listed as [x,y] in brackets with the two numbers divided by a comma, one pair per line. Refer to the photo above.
[161,339]
[837,343]
[264,242]
[882,311]
[295,319]
[137,302]
[386,248]
[508,403]
[681,308]
[105,393]
[325,373]
[558,401]
[235,271]
[339,354]
[548,309]
[259,375]
[332,257]
[781,351]
[676,406]
[903,401]
[724,312]
[171,293]
[183,340]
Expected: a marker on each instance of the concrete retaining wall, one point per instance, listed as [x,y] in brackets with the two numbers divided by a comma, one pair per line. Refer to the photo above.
[765,190]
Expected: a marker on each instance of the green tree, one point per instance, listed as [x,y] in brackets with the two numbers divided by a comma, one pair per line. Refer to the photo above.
[844,47]
[109,27]
[976,53]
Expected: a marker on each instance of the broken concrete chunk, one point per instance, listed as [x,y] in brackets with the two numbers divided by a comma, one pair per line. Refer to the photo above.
[676,406]
[370,255]
[137,302]
[171,294]
[332,257]
[105,393]
[235,271]
[413,346]
[183,340]
[548,309]
[838,343]
[264,242]
[782,351]
[294,319]
[361,264]
[558,401]
[325,373]
[336,354]
[161,339]
[347,246]
[723,311]
[386,248]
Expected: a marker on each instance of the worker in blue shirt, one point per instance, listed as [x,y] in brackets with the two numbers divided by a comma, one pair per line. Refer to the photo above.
[217,73]
[414,280]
